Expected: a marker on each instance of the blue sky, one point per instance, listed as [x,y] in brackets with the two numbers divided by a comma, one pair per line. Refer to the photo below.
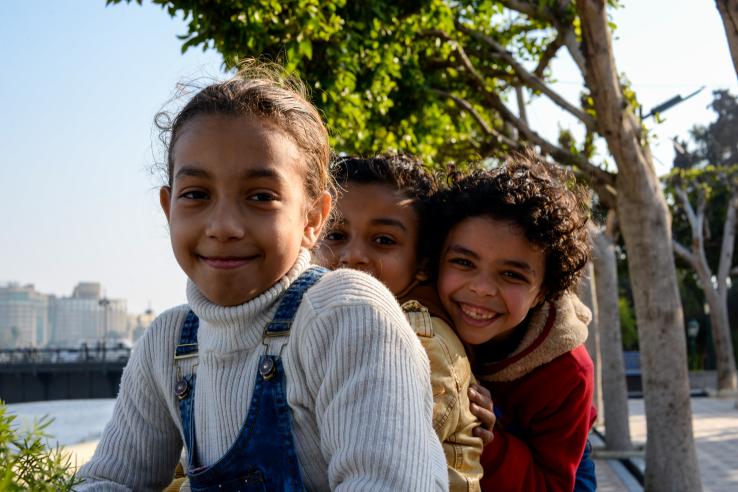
[81,84]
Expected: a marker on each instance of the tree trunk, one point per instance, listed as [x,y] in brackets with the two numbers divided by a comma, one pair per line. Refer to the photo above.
[617,427]
[729,13]
[726,372]
[671,458]
[587,288]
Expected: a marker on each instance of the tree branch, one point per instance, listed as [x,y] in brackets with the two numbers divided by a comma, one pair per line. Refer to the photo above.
[465,105]
[684,253]
[528,78]
[728,245]
[548,54]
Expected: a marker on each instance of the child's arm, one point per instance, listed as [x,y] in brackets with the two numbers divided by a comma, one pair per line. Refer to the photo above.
[140,446]
[545,454]
[373,400]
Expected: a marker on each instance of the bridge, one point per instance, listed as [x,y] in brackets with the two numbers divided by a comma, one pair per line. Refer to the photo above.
[60,374]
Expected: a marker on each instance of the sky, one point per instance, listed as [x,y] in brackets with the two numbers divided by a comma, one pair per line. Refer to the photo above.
[80,84]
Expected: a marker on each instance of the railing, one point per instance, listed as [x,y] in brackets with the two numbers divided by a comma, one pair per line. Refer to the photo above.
[99,353]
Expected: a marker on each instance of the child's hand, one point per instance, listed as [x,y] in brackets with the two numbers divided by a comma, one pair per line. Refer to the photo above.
[481,407]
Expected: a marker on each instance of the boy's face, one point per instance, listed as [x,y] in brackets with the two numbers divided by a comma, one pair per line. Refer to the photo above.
[376,231]
[489,277]
[237,210]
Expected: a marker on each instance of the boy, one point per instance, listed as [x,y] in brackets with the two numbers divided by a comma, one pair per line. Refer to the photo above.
[515,242]
[379,229]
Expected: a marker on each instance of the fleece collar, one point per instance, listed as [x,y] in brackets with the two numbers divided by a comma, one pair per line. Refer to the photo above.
[553,330]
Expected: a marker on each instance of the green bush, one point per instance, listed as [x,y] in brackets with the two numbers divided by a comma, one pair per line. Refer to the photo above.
[27,463]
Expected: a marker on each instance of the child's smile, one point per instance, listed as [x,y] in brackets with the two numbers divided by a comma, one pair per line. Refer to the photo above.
[237,208]
[490,276]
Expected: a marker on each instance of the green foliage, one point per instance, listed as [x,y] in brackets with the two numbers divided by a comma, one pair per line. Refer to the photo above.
[628,325]
[26,463]
[389,75]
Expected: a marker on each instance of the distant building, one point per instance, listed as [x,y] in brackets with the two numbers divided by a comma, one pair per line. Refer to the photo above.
[87,316]
[24,317]
[140,323]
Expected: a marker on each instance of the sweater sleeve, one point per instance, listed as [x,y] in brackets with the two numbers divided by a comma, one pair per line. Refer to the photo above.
[546,453]
[140,446]
[373,402]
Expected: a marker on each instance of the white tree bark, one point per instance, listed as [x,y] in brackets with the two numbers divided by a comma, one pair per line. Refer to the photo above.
[615,391]
[671,458]
[587,289]
[729,13]
[714,286]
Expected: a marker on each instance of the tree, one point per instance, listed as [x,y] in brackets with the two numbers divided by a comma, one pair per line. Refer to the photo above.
[694,190]
[704,185]
[433,77]
[729,13]
[615,392]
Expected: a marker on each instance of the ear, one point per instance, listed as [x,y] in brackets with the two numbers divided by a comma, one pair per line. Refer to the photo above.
[421,274]
[317,214]
[165,199]
[541,297]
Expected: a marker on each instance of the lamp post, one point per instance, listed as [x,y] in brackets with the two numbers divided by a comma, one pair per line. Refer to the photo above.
[105,304]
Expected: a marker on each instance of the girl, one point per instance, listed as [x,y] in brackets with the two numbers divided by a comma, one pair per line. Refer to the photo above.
[270,384]
[515,241]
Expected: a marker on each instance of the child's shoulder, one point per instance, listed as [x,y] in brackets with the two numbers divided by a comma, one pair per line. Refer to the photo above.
[164,330]
[346,286]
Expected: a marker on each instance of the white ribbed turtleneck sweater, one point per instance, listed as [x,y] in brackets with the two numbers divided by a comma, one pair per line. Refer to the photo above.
[357,383]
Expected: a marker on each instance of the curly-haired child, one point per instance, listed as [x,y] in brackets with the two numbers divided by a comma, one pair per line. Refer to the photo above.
[380,228]
[515,241]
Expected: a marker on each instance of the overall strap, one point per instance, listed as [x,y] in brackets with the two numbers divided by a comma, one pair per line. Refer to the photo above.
[187,346]
[184,389]
[282,321]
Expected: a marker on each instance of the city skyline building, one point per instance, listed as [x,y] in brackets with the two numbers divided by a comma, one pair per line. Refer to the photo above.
[32,319]
[24,316]
[88,316]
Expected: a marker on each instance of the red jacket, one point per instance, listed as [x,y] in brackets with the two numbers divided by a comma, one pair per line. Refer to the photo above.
[543,397]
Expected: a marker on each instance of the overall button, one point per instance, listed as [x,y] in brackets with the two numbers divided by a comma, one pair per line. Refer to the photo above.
[266,369]
[181,389]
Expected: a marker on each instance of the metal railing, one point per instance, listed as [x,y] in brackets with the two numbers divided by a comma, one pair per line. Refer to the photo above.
[97,353]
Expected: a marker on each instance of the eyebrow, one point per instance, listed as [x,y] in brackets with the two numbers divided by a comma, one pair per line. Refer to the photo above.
[519,264]
[386,221]
[196,172]
[389,222]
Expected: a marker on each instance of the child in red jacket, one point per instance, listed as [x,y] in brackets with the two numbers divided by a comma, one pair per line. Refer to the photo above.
[515,243]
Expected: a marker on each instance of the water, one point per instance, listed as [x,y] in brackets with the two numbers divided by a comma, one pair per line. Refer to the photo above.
[75,421]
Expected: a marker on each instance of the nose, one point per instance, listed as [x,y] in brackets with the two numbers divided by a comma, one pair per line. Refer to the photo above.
[483,286]
[353,255]
[225,222]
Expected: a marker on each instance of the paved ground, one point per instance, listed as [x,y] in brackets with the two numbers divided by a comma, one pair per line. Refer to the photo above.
[715,424]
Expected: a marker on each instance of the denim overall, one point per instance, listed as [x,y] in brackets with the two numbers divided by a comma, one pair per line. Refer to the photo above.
[263,456]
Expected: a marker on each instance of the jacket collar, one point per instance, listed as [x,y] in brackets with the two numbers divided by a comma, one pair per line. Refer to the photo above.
[554,329]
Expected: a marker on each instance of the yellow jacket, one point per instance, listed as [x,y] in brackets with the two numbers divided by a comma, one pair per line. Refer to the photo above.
[450,378]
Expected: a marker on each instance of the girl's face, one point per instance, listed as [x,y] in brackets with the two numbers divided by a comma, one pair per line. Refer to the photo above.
[489,277]
[237,210]
[376,231]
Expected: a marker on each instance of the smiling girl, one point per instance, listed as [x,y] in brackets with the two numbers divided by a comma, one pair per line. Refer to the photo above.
[276,375]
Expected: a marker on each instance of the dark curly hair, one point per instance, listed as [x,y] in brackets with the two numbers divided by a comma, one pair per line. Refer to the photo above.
[401,172]
[539,198]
